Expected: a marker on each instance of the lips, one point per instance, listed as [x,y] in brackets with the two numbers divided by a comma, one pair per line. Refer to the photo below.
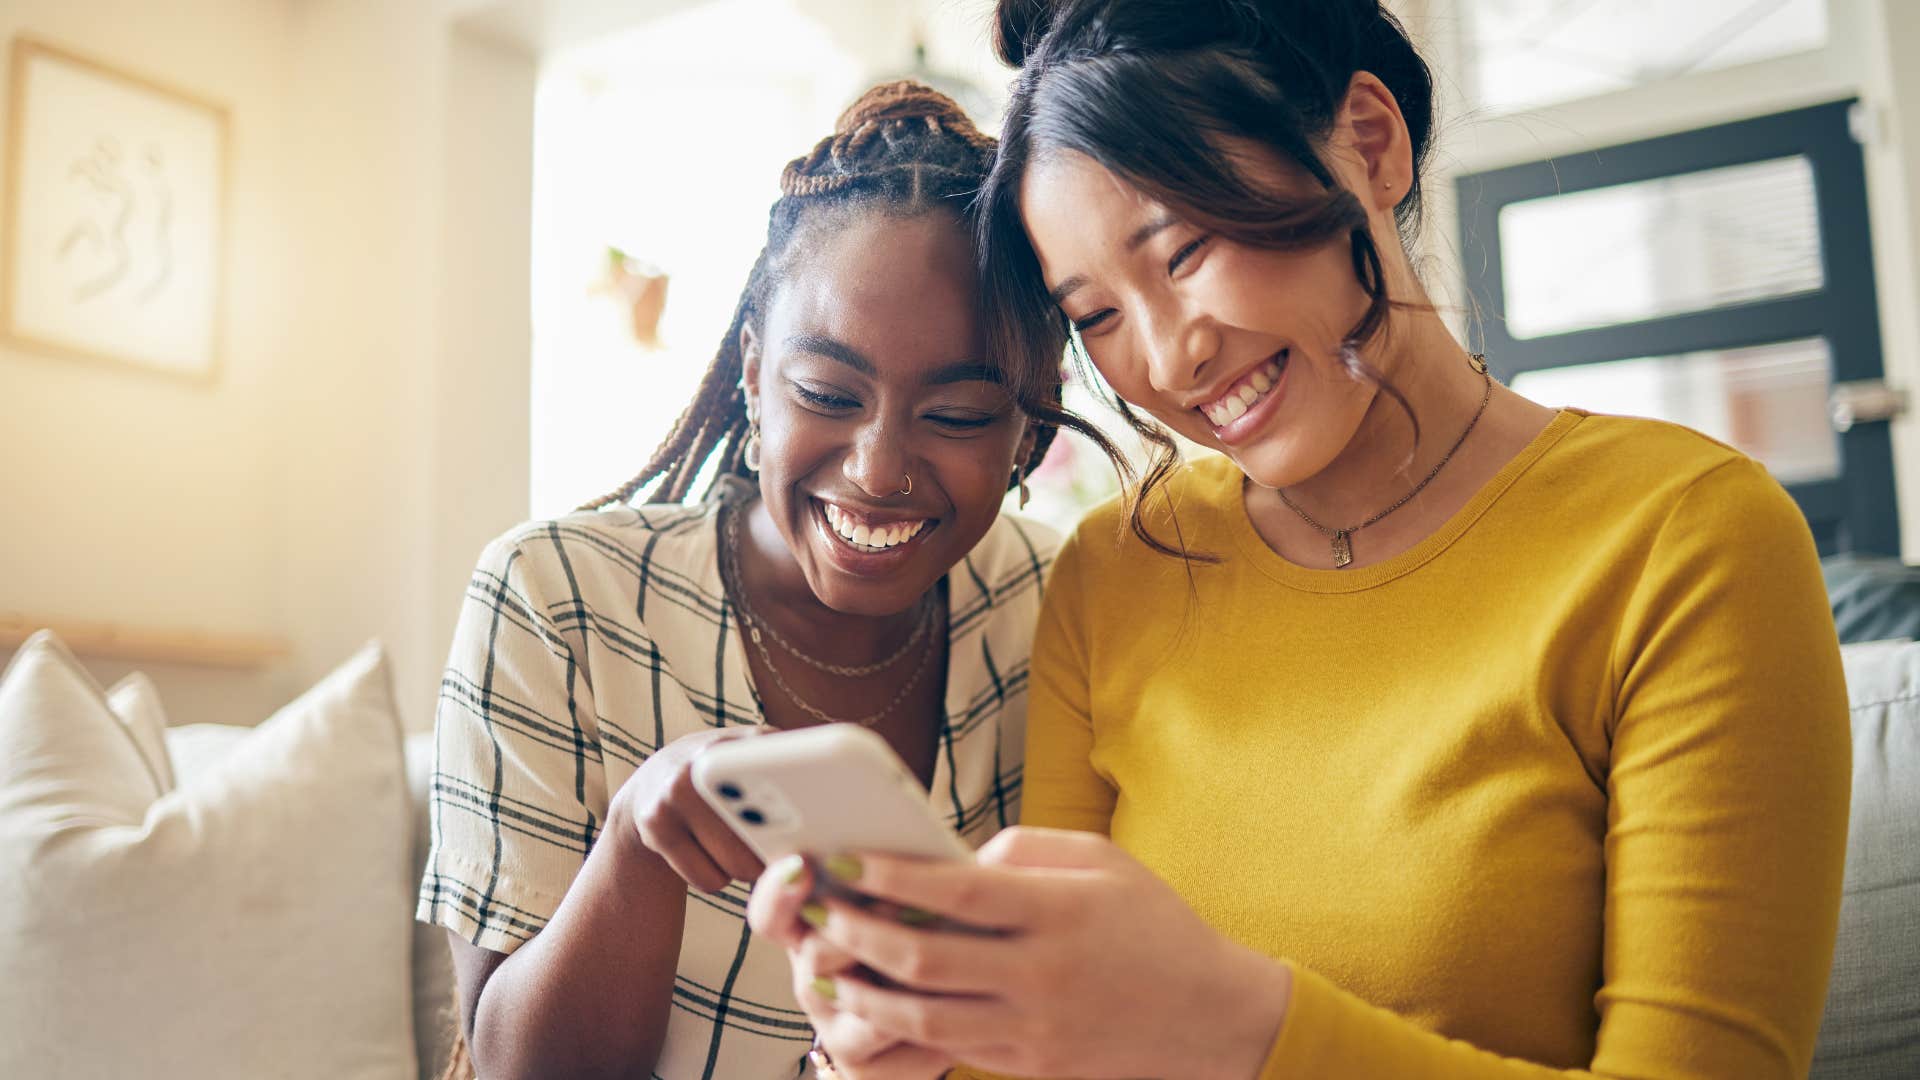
[863,532]
[900,534]
[1246,393]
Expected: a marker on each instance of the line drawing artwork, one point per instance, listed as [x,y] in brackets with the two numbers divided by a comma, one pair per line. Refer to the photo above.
[114,188]
[123,239]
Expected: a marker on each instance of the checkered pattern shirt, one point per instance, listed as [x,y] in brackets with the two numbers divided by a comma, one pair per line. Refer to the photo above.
[587,642]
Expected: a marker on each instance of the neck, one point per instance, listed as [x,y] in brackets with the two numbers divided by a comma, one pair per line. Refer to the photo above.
[778,591]
[1383,461]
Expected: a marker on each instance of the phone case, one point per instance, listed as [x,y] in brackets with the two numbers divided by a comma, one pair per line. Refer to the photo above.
[822,791]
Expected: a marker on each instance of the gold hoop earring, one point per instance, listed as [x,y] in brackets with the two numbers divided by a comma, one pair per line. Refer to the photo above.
[908,490]
[1020,474]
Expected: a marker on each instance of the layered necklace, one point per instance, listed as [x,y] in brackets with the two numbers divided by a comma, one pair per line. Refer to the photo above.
[759,631]
[1342,539]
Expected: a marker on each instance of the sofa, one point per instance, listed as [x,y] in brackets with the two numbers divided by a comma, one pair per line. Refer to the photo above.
[237,902]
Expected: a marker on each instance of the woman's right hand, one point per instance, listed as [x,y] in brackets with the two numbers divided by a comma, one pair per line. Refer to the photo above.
[675,823]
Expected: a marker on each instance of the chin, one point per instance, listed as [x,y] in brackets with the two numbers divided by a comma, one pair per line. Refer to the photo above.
[1277,461]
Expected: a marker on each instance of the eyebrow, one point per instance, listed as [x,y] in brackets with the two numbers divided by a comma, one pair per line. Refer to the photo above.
[1137,237]
[958,372]
[966,371]
[1150,230]
[822,345]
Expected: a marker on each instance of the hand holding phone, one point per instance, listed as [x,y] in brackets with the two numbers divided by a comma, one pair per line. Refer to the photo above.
[822,791]
[674,821]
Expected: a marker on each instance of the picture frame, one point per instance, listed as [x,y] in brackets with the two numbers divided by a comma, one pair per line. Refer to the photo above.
[114,226]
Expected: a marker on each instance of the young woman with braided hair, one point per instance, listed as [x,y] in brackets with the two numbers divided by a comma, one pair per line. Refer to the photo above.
[862,438]
[1472,739]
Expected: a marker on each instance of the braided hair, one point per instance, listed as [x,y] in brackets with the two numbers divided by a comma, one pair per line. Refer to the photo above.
[904,149]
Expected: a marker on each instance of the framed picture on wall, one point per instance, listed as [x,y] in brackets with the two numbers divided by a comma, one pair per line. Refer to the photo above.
[112,243]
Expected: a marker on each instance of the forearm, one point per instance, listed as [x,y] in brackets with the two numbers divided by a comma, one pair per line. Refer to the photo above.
[590,994]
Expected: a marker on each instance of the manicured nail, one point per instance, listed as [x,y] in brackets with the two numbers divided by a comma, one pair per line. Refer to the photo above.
[824,987]
[913,916]
[791,869]
[844,867]
[815,916]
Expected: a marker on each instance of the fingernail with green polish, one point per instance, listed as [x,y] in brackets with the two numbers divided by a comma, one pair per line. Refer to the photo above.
[824,987]
[815,915]
[844,867]
[913,916]
[791,869]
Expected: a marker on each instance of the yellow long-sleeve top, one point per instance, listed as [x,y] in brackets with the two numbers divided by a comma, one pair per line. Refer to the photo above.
[1563,787]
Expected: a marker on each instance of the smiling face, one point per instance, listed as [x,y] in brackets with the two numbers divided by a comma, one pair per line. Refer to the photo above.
[870,375]
[1233,346]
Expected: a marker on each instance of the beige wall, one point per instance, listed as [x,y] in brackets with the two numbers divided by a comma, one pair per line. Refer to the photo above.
[367,433]
[132,496]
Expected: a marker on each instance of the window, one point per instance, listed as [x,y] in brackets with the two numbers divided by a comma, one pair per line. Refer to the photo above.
[1721,278]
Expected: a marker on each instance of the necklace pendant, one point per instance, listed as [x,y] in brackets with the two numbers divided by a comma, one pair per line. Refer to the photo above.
[1342,550]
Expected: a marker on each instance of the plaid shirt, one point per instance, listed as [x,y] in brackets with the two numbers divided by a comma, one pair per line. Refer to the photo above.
[587,642]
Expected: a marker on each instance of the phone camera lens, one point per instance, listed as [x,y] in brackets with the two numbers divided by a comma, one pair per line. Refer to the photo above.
[753,817]
[731,791]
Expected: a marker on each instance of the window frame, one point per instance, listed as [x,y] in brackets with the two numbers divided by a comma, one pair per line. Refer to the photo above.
[1845,311]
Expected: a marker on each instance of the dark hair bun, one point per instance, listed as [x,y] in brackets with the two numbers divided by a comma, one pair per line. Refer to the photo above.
[904,100]
[1018,25]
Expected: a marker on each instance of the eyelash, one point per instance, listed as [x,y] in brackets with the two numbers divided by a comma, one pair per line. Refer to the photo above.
[835,403]
[1179,259]
[824,401]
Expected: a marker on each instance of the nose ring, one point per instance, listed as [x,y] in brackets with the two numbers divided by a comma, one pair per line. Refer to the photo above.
[908,490]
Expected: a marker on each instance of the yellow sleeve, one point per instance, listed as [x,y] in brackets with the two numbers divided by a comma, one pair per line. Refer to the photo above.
[1728,782]
[1062,790]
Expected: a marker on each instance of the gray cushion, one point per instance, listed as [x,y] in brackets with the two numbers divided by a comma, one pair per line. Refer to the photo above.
[1874,598]
[1872,1026]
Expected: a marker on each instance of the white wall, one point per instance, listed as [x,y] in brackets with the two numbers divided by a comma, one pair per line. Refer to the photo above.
[367,434]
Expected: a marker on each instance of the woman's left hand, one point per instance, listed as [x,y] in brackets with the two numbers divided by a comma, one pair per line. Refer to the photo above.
[1098,969]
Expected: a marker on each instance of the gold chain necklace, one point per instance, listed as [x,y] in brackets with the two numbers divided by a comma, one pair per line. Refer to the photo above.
[1343,538]
[736,590]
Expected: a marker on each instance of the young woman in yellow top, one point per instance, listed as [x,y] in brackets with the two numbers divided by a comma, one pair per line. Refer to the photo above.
[1467,739]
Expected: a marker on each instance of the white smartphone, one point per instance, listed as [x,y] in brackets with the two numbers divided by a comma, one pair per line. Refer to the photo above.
[822,791]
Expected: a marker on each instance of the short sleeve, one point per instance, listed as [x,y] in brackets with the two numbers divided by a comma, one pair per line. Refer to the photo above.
[1062,789]
[518,790]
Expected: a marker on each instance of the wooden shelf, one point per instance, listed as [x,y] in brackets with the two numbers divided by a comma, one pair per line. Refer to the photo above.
[143,644]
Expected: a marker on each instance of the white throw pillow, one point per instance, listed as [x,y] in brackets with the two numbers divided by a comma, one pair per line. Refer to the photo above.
[136,702]
[253,922]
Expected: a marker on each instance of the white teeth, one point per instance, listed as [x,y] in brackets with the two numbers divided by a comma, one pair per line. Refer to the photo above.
[878,537]
[1236,403]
